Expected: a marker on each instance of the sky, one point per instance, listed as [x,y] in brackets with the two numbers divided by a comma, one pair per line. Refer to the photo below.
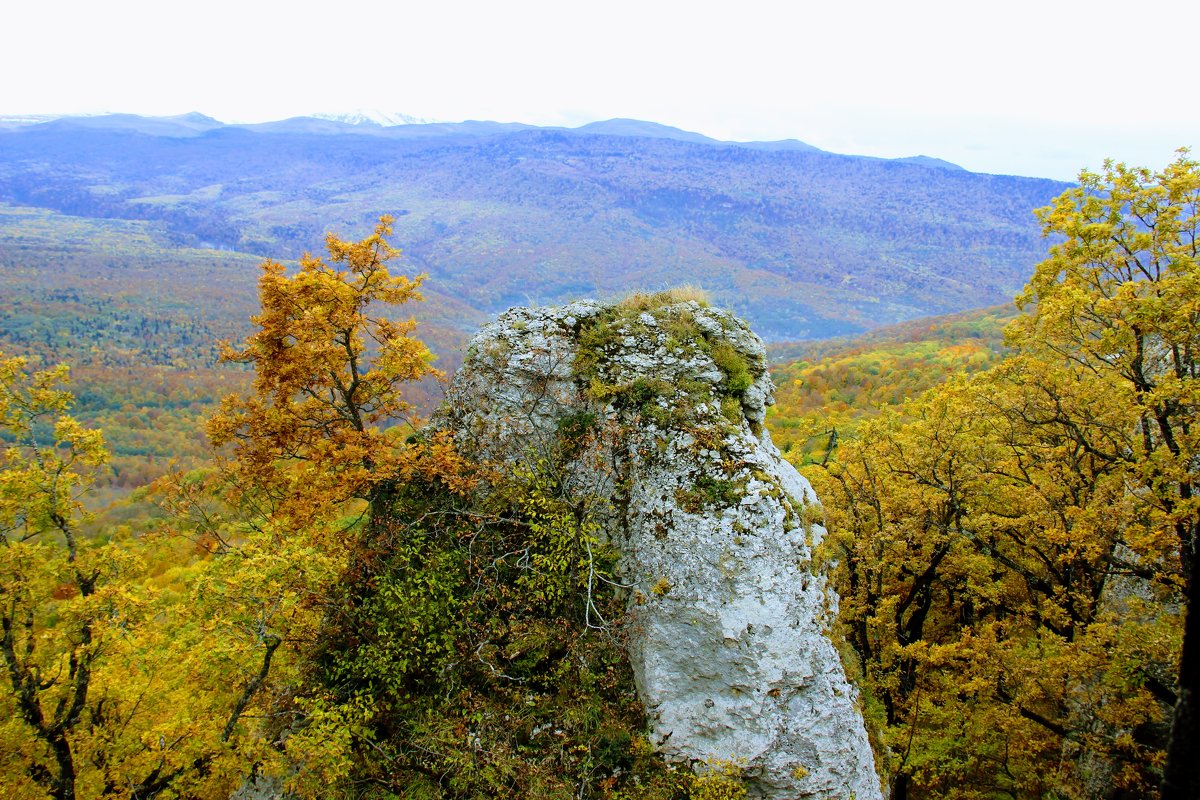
[1041,88]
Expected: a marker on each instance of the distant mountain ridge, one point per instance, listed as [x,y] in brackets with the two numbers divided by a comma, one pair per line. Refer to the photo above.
[801,242]
[369,122]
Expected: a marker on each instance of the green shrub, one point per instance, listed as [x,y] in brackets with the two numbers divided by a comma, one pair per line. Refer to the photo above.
[737,373]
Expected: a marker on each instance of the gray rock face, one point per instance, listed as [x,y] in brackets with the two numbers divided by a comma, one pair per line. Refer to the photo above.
[726,617]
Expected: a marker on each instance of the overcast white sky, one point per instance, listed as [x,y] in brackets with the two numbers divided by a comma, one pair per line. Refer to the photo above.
[1025,87]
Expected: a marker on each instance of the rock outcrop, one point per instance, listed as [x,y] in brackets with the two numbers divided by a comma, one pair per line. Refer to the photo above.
[727,617]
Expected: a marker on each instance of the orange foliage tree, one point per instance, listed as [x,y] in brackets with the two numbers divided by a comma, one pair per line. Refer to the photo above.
[328,374]
[304,459]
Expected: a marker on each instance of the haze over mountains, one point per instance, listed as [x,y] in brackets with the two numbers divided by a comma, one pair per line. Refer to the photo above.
[802,242]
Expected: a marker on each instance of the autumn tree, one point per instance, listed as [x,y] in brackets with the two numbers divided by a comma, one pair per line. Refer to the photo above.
[1013,549]
[307,463]
[48,569]
[93,699]
[1119,299]
[979,546]
[329,367]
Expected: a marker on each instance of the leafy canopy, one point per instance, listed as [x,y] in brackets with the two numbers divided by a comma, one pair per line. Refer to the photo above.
[1016,550]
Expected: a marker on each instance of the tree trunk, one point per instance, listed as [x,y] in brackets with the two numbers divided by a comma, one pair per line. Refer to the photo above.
[1181,776]
[63,787]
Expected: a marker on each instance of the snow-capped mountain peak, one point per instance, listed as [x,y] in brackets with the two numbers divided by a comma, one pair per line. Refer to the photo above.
[373,117]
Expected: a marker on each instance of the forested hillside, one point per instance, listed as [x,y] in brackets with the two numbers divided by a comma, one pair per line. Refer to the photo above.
[801,242]
[825,388]
[128,245]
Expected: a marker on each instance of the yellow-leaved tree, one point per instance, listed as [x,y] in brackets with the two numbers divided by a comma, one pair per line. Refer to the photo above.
[304,463]
[92,700]
[1119,299]
[58,595]
[1016,552]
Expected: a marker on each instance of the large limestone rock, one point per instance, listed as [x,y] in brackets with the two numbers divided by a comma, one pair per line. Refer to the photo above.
[727,618]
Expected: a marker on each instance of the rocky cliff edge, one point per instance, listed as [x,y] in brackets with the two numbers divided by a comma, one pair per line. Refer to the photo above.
[655,405]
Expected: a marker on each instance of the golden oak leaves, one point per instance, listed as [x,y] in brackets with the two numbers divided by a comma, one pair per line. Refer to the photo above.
[51,458]
[282,514]
[1119,298]
[91,703]
[1011,548]
[329,370]
[974,533]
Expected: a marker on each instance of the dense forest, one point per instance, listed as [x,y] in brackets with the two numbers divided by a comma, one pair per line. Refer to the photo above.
[312,600]
[825,387]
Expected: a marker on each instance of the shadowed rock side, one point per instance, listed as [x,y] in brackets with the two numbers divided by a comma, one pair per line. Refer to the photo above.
[656,406]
